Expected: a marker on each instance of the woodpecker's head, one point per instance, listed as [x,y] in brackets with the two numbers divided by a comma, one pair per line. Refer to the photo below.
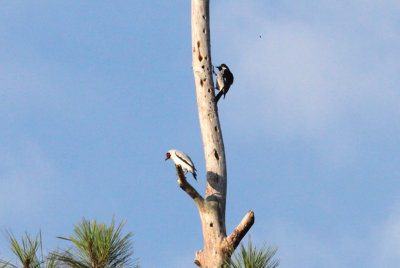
[168,156]
[222,66]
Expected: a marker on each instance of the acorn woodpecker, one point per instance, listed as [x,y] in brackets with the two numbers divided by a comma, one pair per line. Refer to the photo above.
[182,159]
[224,80]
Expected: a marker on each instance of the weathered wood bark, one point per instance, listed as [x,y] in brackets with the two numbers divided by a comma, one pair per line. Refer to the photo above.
[217,246]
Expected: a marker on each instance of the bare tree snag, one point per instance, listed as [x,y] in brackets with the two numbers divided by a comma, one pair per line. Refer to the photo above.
[233,240]
[217,246]
[197,198]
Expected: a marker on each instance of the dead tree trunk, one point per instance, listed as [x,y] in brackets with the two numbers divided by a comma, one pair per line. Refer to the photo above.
[217,246]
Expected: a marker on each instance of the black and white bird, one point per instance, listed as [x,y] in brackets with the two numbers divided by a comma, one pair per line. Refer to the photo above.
[183,160]
[224,81]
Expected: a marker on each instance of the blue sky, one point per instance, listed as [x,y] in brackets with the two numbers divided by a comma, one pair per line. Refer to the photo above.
[92,95]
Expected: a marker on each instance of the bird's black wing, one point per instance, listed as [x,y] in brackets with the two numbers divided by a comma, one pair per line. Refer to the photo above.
[228,77]
[225,76]
[185,161]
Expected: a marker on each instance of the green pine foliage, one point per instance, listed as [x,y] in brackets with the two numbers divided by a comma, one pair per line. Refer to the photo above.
[28,252]
[96,245]
[253,257]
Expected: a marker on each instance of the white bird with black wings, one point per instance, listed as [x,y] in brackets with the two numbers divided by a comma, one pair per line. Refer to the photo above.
[182,159]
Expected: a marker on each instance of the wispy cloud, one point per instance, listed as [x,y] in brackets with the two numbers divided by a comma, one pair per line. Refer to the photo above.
[387,235]
[301,246]
[298,247]
[307,77]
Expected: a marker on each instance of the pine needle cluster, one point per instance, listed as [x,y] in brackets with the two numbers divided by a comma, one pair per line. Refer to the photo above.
[253,257]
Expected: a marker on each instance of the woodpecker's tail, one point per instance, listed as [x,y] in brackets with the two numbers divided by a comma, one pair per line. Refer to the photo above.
[194,175]
[219,95]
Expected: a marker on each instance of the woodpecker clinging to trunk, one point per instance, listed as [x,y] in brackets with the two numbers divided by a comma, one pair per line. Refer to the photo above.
[182,159]
[224,80]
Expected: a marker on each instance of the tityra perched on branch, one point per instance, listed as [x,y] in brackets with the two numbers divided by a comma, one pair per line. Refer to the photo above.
[224,81]
[182,159]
